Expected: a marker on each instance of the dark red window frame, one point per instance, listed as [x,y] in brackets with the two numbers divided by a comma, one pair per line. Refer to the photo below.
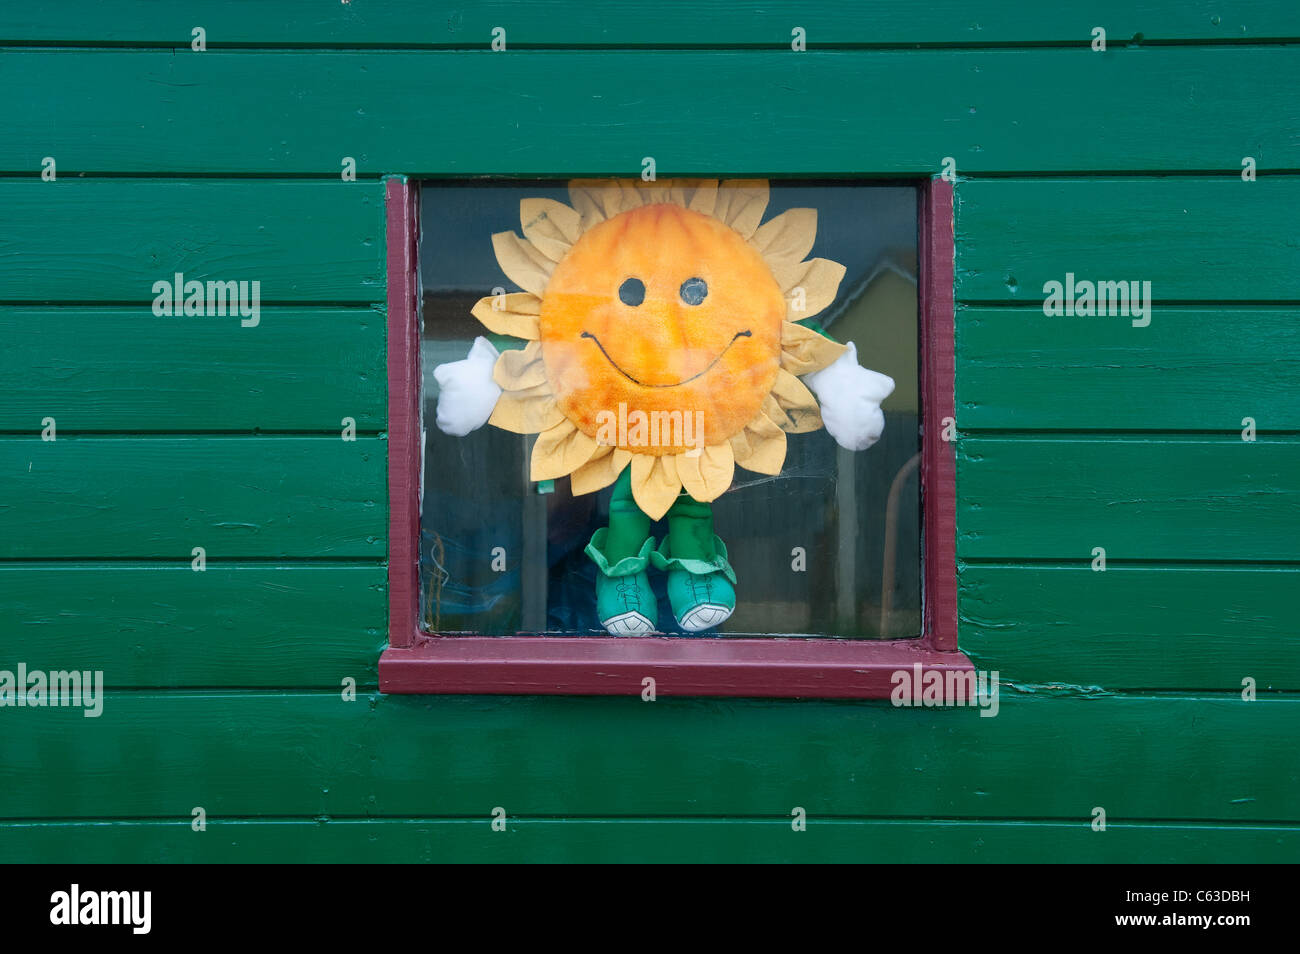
[416,662]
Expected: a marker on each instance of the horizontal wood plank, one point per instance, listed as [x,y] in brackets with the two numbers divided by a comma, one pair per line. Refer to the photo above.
[1221,499]
[675,23]
[126,370]
[168,626]
[1191,369]
[311,626]
[1134,627]
[161,497]
[1192,238]
[568,113]
[110,240]
[619,841]
[1141,757]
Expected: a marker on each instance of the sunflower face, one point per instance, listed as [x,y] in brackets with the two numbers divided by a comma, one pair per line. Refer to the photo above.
[660,321]
[666,311]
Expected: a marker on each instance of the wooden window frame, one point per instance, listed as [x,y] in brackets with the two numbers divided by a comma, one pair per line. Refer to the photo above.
[808,667]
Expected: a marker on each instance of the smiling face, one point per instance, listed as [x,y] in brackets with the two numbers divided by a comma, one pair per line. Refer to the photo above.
[661,322]
[662,309]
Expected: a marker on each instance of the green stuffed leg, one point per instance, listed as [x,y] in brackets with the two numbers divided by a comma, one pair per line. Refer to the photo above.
[699,576]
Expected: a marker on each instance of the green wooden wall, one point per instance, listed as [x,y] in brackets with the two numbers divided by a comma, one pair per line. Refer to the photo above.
[1122,689]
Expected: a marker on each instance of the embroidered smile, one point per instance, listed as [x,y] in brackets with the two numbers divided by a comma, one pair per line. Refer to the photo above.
[614,364]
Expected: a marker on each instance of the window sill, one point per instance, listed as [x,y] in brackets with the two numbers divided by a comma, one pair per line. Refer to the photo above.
[558,665]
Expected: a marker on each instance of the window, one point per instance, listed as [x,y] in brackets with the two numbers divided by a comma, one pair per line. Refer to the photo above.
[843,563]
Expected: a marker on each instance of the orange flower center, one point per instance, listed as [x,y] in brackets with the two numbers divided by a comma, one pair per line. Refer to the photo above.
[666,324]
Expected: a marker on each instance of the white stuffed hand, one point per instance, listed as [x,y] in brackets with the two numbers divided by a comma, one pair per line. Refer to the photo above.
[466,392]
[850,397]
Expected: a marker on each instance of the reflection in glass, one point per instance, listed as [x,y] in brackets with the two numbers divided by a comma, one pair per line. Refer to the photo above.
[502,555]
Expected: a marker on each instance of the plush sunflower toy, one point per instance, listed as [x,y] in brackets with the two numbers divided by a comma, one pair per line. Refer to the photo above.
[664,346]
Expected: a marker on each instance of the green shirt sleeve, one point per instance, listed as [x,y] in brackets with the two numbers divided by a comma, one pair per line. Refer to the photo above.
[816,326]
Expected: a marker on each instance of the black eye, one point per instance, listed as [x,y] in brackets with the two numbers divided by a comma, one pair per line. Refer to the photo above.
[694,290]
[632,292]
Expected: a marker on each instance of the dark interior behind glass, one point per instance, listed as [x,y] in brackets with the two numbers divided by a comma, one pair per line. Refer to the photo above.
[501,555]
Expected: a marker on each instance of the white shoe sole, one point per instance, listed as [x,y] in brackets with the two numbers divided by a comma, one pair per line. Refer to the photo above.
[628,624]
[705,616]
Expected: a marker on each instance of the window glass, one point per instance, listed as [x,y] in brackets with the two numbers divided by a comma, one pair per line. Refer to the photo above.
[821,549]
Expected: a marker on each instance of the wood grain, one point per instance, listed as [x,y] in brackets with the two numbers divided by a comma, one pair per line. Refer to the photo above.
[125,370]
[1047,755]
[623,840]
[1194,239]
[1191,369]
[406,439]
[146,625]
[569,113]
[468,25]
[1157,627]
[1168,500]
[102,240]
[161,497]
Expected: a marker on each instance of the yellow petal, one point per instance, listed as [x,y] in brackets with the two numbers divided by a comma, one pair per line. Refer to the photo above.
[526,412]
[519,369]
[599,472]
[585,196]
[708,474]
[698,195]
[655,484]
[515,314]
[786,240]
[679,192]
[523,264]
[661,190]
[798,403]
[775,413]
[804,351]
[630,196]
[808,286]
[741,204]
[605,197]
[551,226]
[704,198]
[560,451]
[760,447]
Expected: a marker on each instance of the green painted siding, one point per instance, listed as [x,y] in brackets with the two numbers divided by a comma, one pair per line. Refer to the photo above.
[1121,689]
[583,111]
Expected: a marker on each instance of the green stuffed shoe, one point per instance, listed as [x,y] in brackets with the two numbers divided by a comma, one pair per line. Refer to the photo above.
[624,600]
[700,591]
